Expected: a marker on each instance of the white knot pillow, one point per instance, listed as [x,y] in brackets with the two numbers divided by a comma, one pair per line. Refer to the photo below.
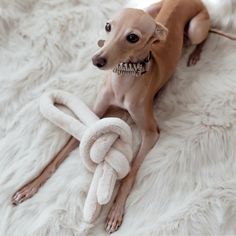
[106,145]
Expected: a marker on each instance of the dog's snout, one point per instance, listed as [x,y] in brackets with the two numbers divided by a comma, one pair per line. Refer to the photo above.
[99,61]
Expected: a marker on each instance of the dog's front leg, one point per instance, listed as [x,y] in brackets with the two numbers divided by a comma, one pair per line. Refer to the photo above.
[30,188]
[150,135]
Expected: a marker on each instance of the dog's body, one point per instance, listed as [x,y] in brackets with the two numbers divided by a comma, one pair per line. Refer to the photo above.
[160,31]
[136,94]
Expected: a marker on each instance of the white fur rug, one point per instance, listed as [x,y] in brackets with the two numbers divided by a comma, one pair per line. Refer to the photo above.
[187,184]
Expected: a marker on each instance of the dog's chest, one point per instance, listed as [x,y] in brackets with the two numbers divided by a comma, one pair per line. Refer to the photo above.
[123,87]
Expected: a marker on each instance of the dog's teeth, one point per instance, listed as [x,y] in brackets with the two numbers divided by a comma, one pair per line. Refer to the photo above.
[128,68]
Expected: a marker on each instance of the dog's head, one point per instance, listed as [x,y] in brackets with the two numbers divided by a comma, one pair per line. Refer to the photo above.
[130,35]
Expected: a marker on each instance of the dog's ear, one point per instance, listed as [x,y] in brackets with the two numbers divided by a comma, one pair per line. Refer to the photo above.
[101,43]
[160,33]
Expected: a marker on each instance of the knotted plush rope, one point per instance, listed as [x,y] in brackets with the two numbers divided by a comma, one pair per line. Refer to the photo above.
[105,145]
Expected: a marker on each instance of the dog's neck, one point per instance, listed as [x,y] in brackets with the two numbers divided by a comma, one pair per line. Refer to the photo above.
[137,68]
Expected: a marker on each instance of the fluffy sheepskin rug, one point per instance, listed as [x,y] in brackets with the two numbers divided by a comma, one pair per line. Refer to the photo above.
[187,184]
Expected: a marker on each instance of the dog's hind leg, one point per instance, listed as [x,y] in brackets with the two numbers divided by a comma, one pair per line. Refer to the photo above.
[198,32]
[154,9]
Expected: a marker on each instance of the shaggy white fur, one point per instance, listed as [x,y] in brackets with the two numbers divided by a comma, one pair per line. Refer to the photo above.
[187,184]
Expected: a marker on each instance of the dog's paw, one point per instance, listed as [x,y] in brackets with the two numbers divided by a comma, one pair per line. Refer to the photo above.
[24,193]
[115,217]
[193,59]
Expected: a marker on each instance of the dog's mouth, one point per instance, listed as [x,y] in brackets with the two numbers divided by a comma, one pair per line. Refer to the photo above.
[129,67]
[134,68]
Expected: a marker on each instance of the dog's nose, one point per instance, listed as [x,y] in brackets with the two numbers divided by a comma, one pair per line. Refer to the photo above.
[99,61]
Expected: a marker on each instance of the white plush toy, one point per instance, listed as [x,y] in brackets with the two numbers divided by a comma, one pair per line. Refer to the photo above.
[105,145]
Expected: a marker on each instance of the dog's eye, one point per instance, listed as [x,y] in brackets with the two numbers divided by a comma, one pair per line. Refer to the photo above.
[108,27]
[132,38]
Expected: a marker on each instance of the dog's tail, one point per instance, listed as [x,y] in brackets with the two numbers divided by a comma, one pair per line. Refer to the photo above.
[226,35]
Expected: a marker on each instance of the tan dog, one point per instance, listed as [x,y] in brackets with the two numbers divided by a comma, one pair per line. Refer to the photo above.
[149,44]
